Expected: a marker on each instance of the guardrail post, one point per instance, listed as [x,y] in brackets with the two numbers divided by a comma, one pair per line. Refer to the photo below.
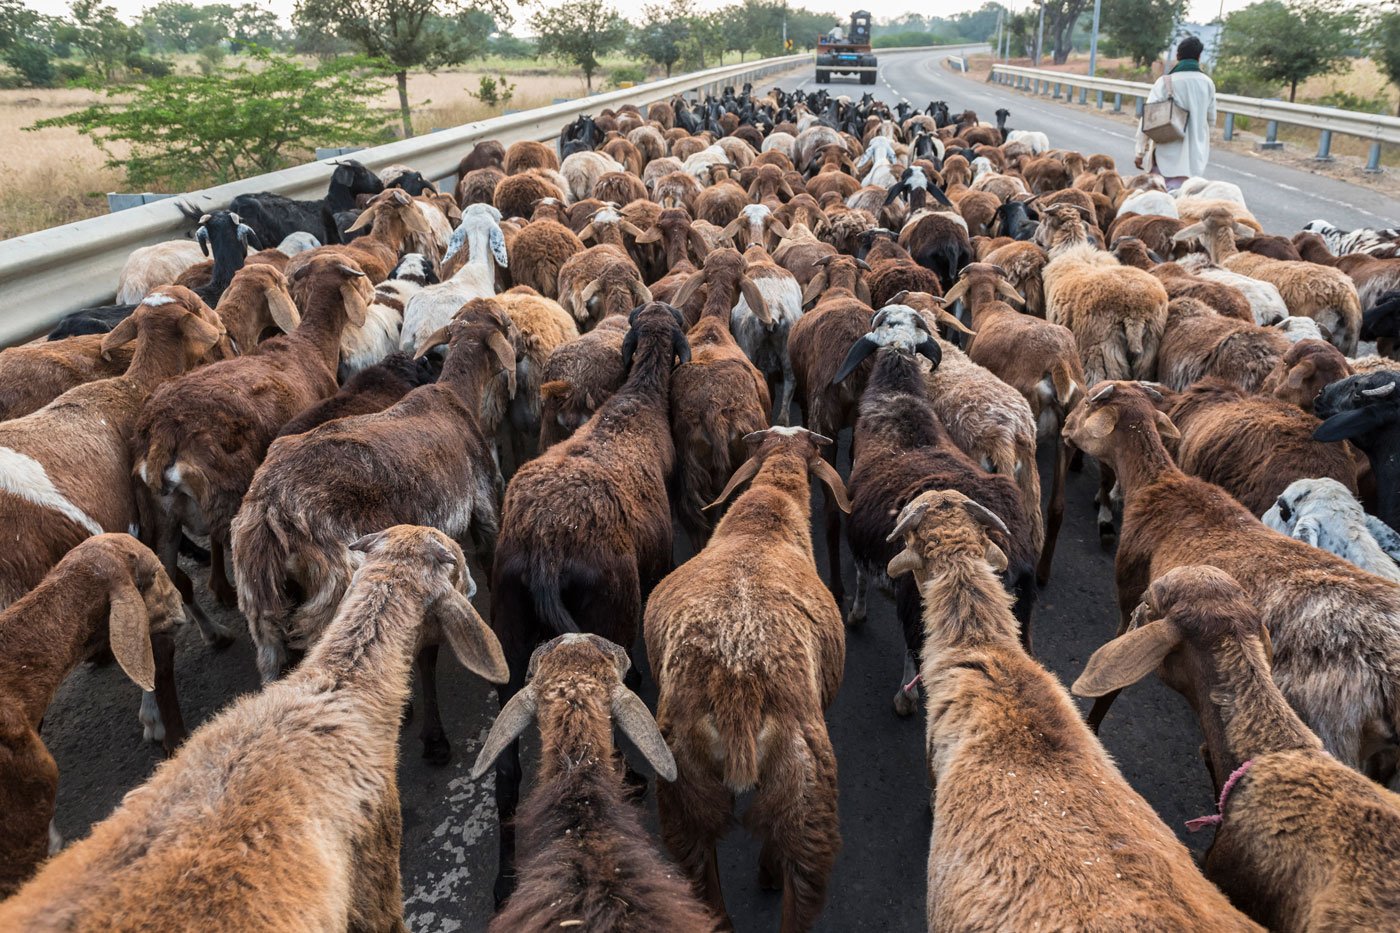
[1057,90]
[1084,95]
[1229,127]
[1118,102]
[1099,98]
[1324,147]
[1270,137]
[1373,164]
[1137,106]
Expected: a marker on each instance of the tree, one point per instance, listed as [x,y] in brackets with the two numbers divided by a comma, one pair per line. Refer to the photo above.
[188,130]
[1385,43]
[579,31]
[32,62]
[663,34]
[1142,28]
[408,34]
[104,40]
[1290,43]
[17,23]
[1060,19]
[180,26]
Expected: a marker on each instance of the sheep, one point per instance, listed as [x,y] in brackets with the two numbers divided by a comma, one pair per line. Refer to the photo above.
[367,344]
[541,249]
[748,650]
[200,437]
[1022,265]
[584,857]
[478,186]
[586,531]
[718,397]
[767,344]
[150,266]
[541,326]
[292,789]
[680,243]
[1324,513]
[1304,370]
[817,345]
[1037,142]
[1198,343]
[34,374]
[479,238]
[423,460]
[578,377]
[1374,278]
[902,449]
[65,470]
[676,189]
[801,253]
[372,389]
[1156,233]
[1335,628]
[1301,841]
[1149,203]
[1017,778]
[1319,292]
[1197,187]
[107,589]
[1252,446]
[1036,358]
[1363,409]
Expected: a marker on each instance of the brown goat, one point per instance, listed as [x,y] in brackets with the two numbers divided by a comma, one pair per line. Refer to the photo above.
[34,374]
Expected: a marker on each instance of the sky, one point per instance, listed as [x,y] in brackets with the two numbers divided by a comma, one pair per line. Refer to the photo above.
[1200,10]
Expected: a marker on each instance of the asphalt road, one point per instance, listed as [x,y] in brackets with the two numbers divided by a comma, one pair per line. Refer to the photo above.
[449,841]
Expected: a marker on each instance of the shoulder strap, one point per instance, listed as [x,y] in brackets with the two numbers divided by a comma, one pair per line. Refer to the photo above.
[1168,79]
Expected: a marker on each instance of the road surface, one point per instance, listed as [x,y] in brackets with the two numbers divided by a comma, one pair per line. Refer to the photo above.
[449,840]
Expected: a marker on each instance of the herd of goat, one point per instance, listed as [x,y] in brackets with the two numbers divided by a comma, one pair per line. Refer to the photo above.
[576,352]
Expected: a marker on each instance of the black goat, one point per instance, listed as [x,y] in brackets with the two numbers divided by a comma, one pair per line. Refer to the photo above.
[1002,128]
[221,233]
[1016,220]
[1381,323]
[372,389]
[582,135]
[902,450]
[916,186]
[1365,410]
[273,217]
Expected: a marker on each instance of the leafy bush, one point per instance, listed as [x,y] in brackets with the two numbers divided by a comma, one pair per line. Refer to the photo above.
[494,92]
[1236,79]
[142,65]
[511,47]
[70,72]
[633,73]
[209,58]
[189,130]
[895,40]
[1345,100]
[32,63]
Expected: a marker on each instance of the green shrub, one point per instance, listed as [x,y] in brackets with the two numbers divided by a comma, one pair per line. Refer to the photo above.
[70,72]
[634,73]
[494,92]
[1232,79]
[148,66]
[209,58]
[1345,100]
[32,63]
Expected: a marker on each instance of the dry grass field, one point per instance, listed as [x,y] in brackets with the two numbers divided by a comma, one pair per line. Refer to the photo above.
[56,176]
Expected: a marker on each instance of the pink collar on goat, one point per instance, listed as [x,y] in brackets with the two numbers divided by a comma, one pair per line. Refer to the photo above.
[1215,819]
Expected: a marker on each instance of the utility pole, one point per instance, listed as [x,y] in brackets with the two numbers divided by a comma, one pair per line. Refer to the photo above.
[1040,31]
[1094,40]
[996,49]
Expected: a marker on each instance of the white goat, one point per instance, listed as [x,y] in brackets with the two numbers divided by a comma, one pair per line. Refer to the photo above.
[378,336]
[1324,513]
[433,307]
[1149,202]
[1198,187]
[1037,141]
[150,267]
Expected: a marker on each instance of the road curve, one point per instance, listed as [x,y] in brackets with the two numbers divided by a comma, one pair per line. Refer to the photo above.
[1282,197]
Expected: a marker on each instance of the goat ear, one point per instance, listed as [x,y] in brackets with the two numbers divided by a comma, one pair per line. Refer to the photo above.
[996,557]
[1127,659]
[863,291]
[355,308]
[1298,374]
[1306,531]
[1385,536]
[472,640]
[640,292]
[497,241]
[698,245]
[1189,233]
[590,291]
[1101,423]
[1267,643]
[859,351]
[587,233]
[436,339]
[554,388]
[500,347]
[747,471]
[906,561]
[731,229]
[1243,232]
[824,471]
[515,717]
[955,293]
[777,227]
[119,336]
[634,719]
[365,219]
[129,630]
[629,347]
[1165,427]
[282,308]
[688,289]
[1349,424]
[948,319]
[754,297]
[1009,293]
[814,288]
[631,230]
[199,333]
[650,235]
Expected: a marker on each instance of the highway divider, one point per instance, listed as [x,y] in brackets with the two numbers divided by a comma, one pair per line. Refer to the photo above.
[1378,128]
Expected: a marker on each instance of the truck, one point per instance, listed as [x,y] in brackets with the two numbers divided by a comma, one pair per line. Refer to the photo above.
[847,52]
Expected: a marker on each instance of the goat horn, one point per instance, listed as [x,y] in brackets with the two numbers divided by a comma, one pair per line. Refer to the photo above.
[515,717]
[859,351]
[909,518]
[747,471]
[1380,391]
[1103,393]
[929,349]
[205,219]
[985,516]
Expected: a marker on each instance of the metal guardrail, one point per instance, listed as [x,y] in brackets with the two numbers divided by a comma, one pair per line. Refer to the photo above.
[1378,128]
[46,274]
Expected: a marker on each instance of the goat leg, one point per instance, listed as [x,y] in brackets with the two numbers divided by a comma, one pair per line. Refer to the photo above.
[219,583]
[507,795]
[166,700]
[437,751]
[1055,515]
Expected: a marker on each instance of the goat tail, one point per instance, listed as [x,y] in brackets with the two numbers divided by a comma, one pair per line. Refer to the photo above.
[738,718]
[260,556]
[547,594]
[1133,331]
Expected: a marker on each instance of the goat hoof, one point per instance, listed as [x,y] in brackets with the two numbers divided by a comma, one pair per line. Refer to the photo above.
[906,702]
[226,597]
[437,751]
